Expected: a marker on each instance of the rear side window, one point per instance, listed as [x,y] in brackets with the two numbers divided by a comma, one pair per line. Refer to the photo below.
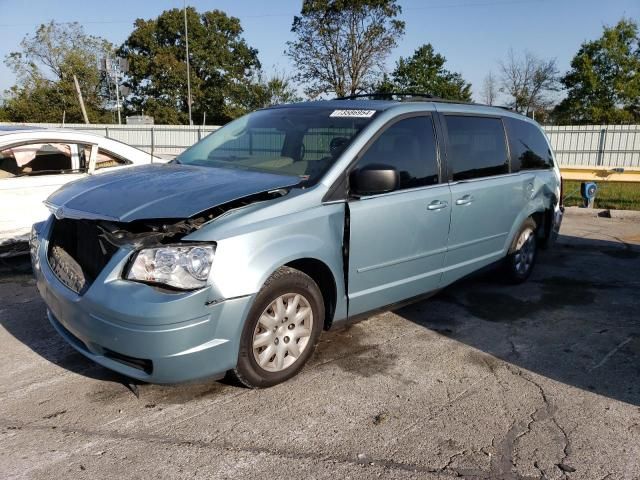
[529,148]
[408,145]
[477,147]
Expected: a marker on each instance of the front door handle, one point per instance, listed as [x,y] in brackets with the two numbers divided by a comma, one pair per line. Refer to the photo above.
[466,200]
[437,205]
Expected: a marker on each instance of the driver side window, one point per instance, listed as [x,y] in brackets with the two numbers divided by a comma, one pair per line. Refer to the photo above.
[409,146]
[36,159]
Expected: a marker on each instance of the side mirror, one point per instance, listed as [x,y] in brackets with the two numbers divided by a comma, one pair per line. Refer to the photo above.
[374,179]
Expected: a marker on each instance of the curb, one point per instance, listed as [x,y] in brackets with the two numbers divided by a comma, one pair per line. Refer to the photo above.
[596,212]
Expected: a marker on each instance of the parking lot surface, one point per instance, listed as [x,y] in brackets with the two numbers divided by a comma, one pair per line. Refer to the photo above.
[484,380]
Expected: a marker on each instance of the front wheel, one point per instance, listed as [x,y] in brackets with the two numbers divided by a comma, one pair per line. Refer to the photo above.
[282,329]
[523,253]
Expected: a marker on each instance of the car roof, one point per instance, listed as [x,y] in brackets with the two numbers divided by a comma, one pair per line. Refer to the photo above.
[429,104]
[378,105]
[22,130]
[6,129]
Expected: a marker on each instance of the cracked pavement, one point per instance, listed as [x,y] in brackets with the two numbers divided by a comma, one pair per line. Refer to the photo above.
[484,380]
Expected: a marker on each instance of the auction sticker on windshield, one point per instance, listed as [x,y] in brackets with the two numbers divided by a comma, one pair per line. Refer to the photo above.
[353,113]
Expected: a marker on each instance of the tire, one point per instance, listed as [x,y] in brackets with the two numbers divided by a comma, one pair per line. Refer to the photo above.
[282,345]
[523,253]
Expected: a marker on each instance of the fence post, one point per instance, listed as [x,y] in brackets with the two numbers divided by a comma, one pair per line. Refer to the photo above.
[152,141]
[106,132]
[199,134]
[601,144]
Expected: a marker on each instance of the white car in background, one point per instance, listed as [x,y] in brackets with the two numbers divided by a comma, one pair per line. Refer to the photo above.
[35,162]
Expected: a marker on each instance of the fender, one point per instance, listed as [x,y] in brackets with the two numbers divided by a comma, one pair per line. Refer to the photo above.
[245,259]
[543,198]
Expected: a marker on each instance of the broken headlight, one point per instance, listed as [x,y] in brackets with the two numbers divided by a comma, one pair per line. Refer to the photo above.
[183,267]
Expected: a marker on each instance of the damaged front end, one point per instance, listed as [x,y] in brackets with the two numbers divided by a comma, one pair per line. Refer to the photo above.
[79,249]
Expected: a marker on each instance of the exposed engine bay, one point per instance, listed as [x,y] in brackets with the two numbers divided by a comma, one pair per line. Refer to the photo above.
[144,233]
[79,249]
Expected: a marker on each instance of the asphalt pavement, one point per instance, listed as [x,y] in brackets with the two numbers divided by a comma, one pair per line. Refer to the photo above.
[484,380]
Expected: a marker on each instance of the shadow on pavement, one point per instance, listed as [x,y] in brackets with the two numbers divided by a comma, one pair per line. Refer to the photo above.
[575,320]
[23,315]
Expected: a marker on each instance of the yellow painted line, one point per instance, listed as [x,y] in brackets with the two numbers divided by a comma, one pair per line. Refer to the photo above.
[600,174]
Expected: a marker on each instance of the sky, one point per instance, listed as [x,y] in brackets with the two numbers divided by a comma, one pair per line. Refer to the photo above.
[474,35]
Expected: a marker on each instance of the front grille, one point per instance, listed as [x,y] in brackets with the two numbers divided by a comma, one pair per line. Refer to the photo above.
[77,254]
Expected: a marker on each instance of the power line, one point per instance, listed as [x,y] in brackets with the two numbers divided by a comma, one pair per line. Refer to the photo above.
[472,5]
[267,15]
[81,22]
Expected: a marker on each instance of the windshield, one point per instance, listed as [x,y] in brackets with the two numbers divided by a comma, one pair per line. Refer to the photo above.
[301,141]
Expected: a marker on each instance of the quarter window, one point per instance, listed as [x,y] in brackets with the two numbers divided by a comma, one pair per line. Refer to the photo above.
[529,148]
[408,145]
[106,159]
[477,147]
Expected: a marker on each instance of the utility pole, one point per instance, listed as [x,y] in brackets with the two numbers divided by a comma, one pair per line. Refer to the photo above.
[84,111]
[114,71]
[186,36]
[118,101]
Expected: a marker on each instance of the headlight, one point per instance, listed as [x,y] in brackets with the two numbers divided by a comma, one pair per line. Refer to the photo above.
[184,267]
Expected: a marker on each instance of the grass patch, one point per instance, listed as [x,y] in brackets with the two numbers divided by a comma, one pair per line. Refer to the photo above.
[611,195]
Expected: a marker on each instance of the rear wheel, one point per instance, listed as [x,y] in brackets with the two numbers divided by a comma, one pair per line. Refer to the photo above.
[282,329]
[523,253]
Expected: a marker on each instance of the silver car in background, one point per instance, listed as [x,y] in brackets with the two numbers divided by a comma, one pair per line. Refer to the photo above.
[286,222]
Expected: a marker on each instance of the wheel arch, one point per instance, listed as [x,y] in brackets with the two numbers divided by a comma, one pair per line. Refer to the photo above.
[323,276]
[539,216]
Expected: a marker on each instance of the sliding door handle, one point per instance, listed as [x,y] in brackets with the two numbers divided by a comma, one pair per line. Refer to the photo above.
[466,200]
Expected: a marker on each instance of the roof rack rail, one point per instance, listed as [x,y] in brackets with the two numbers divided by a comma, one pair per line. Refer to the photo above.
[420,97]
[401,97]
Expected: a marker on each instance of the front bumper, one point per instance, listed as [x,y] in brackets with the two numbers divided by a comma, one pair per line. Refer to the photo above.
[141,331]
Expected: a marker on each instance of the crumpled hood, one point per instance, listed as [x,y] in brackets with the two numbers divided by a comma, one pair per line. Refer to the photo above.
[159,191]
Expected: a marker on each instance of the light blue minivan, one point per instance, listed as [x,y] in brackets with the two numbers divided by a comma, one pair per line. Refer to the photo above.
[287,221]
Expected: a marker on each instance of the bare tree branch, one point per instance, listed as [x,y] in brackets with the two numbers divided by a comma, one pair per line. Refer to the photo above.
[489,91]
[528,80]
[341,45]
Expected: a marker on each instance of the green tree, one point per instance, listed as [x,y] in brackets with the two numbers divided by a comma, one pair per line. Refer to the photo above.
[44,68]
[4,114]
[275,90]
[341,45]
[424,72]
[604,81]
[223,67]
